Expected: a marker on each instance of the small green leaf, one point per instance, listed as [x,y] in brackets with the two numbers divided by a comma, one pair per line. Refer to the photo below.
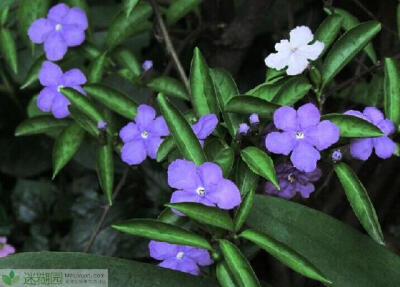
[181,131]
[96,68]
[244,209]
[40,124]
[105,168]
[249,104]
[205,214]
[346,47]
[285,254]
[32,75]
[260,163]
[127,59]
[12,274]
[165,148]
[113,99]
[238,265]
[359,201]
[179,9]
[292,91]
[8,49]
[128,6]
[246,180]
[66,145]
[7,280]
[392,91]
[168,86]
[328,31]
[353,127]
[160,231]
[224,277]
[4,15]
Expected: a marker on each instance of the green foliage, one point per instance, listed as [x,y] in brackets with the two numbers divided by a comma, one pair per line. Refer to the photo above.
[353,127]
[250,104]
[179,8]
[391,91]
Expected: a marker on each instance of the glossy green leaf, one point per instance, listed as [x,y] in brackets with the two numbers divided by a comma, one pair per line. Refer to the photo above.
[32,75]
[292,91]
[126,272]
[226,89]
[346,47]
[105,168]
[4,15]
[160,231]
[181,131]
[205,214]
[66,145]
[127,59]
[40,124]
[219,152]
[167,146]
[113,99]
[202,87]
[268,91]
[245,179]
[128,6]
[238,265]
[392,91]
[179,9]
[84,121]
[273,75]
[96,68]
[225,279]
[260,163]
[249,104]
[168,86]
[244,209]
[168,216]
[359,201]
[285,254]
[328,31]
[8,49]
[123,27]
[353,127]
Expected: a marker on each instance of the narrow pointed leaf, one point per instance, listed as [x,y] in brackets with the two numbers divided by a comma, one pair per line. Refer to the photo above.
[105,168]
[128,6]
[179,8]
[127,59]
[267,91]
[167,146]
[292,91]
[168,86]
[238,265]
[260,163]
[39,125]
[8,49]
[225,279]
[392,91]
[285,254]
[168,216]
[160,231]
[32,75]
[243,210]
[85,122]
[249,104]
[222,154]
[96,68]
[273,75]
[359,201]
[246,180]
[328,31]
[353,127]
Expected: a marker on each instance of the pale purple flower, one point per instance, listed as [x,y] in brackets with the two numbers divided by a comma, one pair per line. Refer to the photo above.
[204,184]
[295,52]
[337,155]
[143,138]
[384,147]
[5,249]
[292,180]
[102,125]
[302,134]
[254,119]
[53,79]
[205,126]
[243,128]
[180,257]
[64,27]
[147,65]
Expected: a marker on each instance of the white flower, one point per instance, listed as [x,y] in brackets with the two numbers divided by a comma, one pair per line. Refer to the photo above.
[296,52]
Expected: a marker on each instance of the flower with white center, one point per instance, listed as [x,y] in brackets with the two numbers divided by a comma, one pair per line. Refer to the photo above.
[295,52]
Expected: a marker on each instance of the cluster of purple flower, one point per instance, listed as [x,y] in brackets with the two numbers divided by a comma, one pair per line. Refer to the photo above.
[5,249]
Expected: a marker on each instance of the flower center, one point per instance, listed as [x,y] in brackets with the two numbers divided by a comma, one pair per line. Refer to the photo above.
[59,88]
[145,134]
[58,27]
[200,191]
[180,255]
[299,135]
[293,49]
[291,178]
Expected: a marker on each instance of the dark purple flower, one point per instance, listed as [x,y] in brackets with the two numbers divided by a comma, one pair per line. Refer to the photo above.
[254,119]
[205,126]
[147,65]
[204,184]
[64,27]
[384,146]
[302,133]
[180,257]
[243,128]
[292,180]
[143,138]
[52,78]
[5,249]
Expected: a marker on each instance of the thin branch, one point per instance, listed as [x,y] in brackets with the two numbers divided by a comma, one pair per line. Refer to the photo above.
[170,46]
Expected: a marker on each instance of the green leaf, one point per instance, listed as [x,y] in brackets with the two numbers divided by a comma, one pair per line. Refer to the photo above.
[292,91]
[168,86]
[128,272]
[244,209]
[127,59]
[4,16]
[123,27]
[181,131]
[260,163]
[85,122]
[346,47]
[96,68]
[224,277]
[82,103]
[273,75]
[344,255]
[246,180]
[359,201]
[8,49]
[40,124]
[167,146]
[268,91]
[353,127]
[7,280]
[66,145]
[32,75]
[12,274]
[128,6]
[226,89]
[113,99]
[285,254]
[202,87]
[392,91]
[205,214]
[105,168]
[168,216]
[328,31]
[179,9]
[219,152]
[160,231]
[249,104]
[238,265]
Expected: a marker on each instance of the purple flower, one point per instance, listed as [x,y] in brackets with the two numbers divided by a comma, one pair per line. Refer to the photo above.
[142,138]
[384,146]
[292,180]
[254,119]
[205,126]
[63,28]
[302,133]
[204,184]
[337,155]
[101,125]
[243,128]
[180,257]
[52,78]
[147,65]
[5,249]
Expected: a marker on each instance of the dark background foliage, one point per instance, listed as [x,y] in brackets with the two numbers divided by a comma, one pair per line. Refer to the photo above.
[37,213]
